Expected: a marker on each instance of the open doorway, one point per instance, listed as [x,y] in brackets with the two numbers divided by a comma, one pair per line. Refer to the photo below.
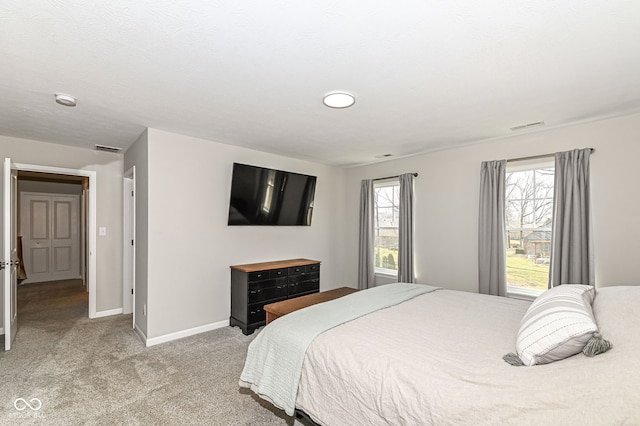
[52,227]
[56,220]
[52,235]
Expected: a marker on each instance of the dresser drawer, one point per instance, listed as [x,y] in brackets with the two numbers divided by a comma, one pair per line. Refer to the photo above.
[304,277]
[296,270]
[304,287]
[312,268]
[256,314]
[276,273]
[260,285]
[256,276]
[270,293]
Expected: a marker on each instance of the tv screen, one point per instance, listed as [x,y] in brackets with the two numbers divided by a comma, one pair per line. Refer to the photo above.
[261,196]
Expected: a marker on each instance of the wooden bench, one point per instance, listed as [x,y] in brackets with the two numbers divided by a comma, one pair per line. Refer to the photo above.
[278,309]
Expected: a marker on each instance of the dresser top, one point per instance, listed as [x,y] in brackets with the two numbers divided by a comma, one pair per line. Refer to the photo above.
[253,267]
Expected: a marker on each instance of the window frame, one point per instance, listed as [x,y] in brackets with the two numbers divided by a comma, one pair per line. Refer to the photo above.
[380,183]
[521,166]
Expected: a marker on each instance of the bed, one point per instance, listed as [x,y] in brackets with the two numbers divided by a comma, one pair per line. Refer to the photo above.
[437,358]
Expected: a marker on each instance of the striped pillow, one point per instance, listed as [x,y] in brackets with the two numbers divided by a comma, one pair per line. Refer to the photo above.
[557,325]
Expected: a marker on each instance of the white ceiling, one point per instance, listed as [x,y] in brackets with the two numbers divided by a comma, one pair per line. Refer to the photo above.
[252,73]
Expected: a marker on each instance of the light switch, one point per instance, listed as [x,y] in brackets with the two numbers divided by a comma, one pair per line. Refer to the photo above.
[102,231]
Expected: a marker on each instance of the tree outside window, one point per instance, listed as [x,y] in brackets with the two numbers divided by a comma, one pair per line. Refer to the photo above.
[529,215]
[386,217]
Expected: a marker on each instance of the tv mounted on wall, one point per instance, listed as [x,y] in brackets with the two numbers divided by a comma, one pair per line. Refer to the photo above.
[262,196]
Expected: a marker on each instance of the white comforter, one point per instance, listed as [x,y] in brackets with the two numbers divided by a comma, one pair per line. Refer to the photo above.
[437,359]
[275,358]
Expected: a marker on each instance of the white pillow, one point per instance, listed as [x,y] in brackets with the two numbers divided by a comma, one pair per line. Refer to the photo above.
[557,325]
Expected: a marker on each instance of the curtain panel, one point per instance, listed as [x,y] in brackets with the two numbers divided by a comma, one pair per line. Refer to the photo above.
[406,272]
[366,250]
[571,236]
[492,270]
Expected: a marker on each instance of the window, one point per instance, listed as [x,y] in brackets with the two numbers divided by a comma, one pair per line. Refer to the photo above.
[386,209]
[529,216]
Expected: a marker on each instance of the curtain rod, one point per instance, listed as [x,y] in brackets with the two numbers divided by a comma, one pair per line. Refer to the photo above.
[393,177]
[536,157]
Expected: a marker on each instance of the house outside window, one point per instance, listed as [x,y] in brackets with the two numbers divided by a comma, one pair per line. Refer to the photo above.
[386,220]
[529,216]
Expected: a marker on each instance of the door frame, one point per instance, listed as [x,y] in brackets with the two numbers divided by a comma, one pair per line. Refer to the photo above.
[128,250]
[91,249]
[9,252]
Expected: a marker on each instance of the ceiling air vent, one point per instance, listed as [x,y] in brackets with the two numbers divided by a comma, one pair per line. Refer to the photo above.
[107,148]
[527,126]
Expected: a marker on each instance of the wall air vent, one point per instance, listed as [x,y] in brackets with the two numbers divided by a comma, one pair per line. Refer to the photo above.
[107,148]
[527,126]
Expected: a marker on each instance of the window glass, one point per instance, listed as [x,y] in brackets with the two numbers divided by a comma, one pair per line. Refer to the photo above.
[529,216]
[386,213]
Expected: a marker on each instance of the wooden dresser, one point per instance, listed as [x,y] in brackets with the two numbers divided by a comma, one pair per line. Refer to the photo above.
[257,284]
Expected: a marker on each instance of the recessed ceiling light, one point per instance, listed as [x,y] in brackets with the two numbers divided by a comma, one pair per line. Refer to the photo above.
[66,100]
[339,100]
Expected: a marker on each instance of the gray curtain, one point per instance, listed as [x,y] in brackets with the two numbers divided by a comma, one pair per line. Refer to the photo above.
[405,229]
[571,245]
[492,270]
[366,256]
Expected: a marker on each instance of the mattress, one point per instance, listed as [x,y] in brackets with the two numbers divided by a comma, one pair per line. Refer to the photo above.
[437,359]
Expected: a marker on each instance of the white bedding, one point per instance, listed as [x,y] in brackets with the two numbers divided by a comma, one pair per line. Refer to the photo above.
[275,357]
[437,359]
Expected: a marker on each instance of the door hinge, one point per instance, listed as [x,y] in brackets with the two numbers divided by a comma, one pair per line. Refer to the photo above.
[132,193]
[131,291]
[131,242]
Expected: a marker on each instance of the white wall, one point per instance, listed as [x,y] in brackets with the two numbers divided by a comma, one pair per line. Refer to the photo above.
[447,191]
[190,246]
[108,168]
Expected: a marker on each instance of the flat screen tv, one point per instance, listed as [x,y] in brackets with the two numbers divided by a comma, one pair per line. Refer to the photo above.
[262,196]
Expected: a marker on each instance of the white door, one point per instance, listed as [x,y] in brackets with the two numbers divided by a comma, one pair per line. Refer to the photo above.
[50,236]
[9,253]
[129,264]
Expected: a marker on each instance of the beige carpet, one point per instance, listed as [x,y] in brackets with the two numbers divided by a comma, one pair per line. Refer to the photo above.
[98,372]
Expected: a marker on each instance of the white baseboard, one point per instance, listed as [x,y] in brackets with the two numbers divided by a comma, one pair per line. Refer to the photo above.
[108,313]
[140,334]
[185,333]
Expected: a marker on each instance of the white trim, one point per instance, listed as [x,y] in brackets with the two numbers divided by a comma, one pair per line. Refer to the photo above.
[129,235]
[185,333]
[108,313]
[140,334]
[522,293]
[384,272]
[91,235]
